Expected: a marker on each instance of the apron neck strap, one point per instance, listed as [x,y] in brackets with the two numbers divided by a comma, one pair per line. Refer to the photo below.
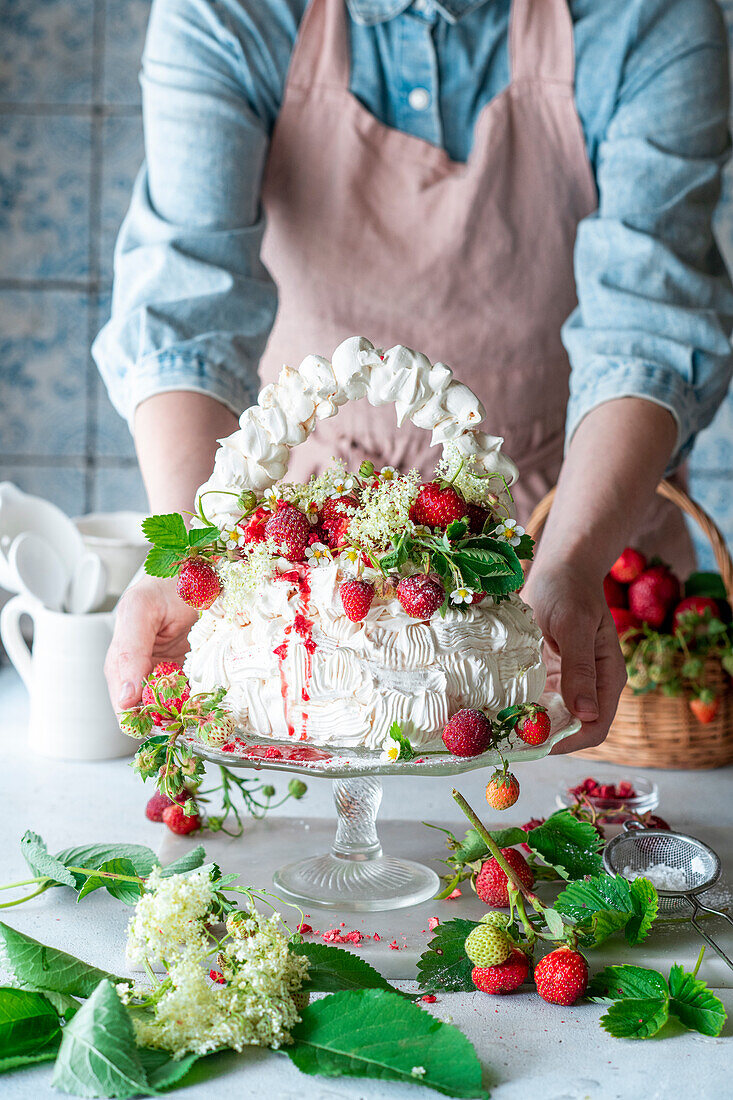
[321,54]
[541,42]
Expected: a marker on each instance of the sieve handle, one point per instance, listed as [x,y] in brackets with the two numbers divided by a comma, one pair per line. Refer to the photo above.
[701,932]
[715,912]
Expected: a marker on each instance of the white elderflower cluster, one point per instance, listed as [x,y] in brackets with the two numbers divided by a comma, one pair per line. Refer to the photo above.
[169,917]
[328,484]
[384,511]
[244,578]
[463,470]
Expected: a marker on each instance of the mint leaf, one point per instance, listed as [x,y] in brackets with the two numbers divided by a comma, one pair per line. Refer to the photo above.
[27,1023]
[331,970]
[635,1019]
[567,844]
[127,892]
[37,856]
[693,1004]
[167,532]
[444,965]
[202,536]
[605,904]
[637,982]
[98,1056]
[35,964]
[372,1033]
[162,563]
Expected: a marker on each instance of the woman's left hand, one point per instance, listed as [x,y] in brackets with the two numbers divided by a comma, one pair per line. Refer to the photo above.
[582,652]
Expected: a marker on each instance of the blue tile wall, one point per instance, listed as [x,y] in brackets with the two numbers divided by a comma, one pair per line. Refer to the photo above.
[70,145]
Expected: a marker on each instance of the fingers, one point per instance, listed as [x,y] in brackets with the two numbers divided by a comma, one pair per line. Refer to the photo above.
[610,679]
[130,655]
[575,640]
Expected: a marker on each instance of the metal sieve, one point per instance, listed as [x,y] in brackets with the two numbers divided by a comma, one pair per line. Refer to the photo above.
[640,850]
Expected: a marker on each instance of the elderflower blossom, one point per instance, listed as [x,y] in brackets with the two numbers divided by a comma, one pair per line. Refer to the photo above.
[169,917]
[245,577]
[463,472]
[384,512]
[319,489]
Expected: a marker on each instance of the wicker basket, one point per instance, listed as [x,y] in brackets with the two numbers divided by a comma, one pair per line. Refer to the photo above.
[652,730]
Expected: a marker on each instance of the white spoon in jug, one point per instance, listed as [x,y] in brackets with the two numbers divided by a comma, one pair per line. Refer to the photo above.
[88,585]
[39,570]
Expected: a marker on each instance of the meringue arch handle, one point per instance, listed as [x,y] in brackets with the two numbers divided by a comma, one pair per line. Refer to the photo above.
[287,411]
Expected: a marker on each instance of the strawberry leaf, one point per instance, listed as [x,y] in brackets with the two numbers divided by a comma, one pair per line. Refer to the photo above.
[636,1019]
[693,1004]
[168,532]
[444,965]
[162,562]
[605,904]
[567,844]
[636,982]
[202,536]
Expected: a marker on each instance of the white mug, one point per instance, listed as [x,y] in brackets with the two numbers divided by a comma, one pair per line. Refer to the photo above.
[71,716]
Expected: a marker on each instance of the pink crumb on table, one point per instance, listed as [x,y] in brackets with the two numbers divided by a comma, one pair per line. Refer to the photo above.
[456,894]
[376,937]
[305,929]
[433,923]
[393,945]
[429,998]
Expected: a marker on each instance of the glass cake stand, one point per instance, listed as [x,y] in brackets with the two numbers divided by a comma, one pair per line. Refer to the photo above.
[355,874]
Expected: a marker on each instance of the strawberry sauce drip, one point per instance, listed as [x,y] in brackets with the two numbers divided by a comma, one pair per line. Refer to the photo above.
[281,653]
[303,627]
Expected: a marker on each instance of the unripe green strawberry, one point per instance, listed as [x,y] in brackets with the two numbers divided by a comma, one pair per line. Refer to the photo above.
[497,920]
[487,945]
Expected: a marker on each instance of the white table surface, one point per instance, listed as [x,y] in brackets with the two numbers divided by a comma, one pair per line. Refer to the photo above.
[529,1048]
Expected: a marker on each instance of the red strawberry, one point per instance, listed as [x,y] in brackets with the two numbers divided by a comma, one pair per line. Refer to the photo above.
[160,802]
[165,668]
[652,595]
[336,531]
[535,728]
[217,976]
[421,595]
[628,567]
[561,977]
[624,620]
[337,507]
[654,821]
[705,707]
[198,583]
[614,592]
[491,881]
[255,528]
[289,529]
[356,597]
[504,978]
[437,507]
[171,688]
[687,611]
[477,517]
[502,790]
[468,733]
[177,822]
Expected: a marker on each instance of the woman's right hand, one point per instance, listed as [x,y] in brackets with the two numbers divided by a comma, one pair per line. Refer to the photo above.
[152,624]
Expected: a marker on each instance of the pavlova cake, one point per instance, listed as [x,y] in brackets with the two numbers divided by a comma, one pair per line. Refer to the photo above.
[332,609]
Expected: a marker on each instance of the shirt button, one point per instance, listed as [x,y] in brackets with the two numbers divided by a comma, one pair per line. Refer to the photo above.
[419,99]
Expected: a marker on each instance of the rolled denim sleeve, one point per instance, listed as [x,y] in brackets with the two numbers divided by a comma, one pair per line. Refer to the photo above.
[655,304]
[192,303]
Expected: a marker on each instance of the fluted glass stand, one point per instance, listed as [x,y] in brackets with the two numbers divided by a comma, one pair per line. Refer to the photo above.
[356,875]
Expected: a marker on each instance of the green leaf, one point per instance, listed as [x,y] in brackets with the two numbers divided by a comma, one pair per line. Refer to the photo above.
[693,1004]
[706,584]
[202,536]
[569,845]
[161,1070]
[168,531]
[38,858]
[331,970]
[635,1019]
[604,904]
[645,901]
[45,1053]
[28,1023]
[65,1005]
[162,563]
[372,1033]
[444,965]
[98,1056]
[508,838]
[525,549]
[616,982]
[189,861]
[94,856]
[35,964]
[406,750]
[554,922]
[127,892]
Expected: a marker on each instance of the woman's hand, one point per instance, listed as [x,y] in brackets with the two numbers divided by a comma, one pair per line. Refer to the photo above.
[152,625]
[582,652]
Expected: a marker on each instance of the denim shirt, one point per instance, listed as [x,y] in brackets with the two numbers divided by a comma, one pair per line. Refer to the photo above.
[193,304]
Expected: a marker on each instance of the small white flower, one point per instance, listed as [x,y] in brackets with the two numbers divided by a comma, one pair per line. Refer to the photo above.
[350,561]
[462,595]
[270,497]
[342,486]
[509,531]
[389,473]
[390,750]
[418,1071]
[311,511]
[318,554]
[233,537]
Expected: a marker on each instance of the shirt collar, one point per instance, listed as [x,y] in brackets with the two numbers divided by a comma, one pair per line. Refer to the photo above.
[369,12]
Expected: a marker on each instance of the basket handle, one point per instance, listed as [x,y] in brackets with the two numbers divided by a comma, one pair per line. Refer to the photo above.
[685,503]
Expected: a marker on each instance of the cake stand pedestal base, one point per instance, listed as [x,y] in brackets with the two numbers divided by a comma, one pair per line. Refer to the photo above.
[355,876]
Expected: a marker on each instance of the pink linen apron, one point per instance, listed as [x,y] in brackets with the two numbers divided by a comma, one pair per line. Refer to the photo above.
[374,232]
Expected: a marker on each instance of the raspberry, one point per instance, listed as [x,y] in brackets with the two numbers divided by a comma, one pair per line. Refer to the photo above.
[290,530]
[468,733]
[178,822]
[491,881]
[420,595]
[535,728]
[504,978]
[561,977]
[628,567]
[502,790]
[356,597]
[487,945]
[198,583]
[437,507]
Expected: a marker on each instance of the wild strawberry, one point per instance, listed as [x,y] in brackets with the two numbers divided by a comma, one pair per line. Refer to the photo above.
[535,728]
[171,688]
[504,978]
[477,517]
[468,733]
[421,595]
[561,977]
[614,592]
[487,945]
[356,597]
[502,790]
[652,595]
[624,620]
[198,583]
[705,707]
[692,612]
[165,668]
[628,567]
[289,529]
[437,507]
[178,822]
[160,802]
[254,530]
[491,881]
[498,920]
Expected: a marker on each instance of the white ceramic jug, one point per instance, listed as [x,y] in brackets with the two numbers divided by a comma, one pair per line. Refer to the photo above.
[71,716]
